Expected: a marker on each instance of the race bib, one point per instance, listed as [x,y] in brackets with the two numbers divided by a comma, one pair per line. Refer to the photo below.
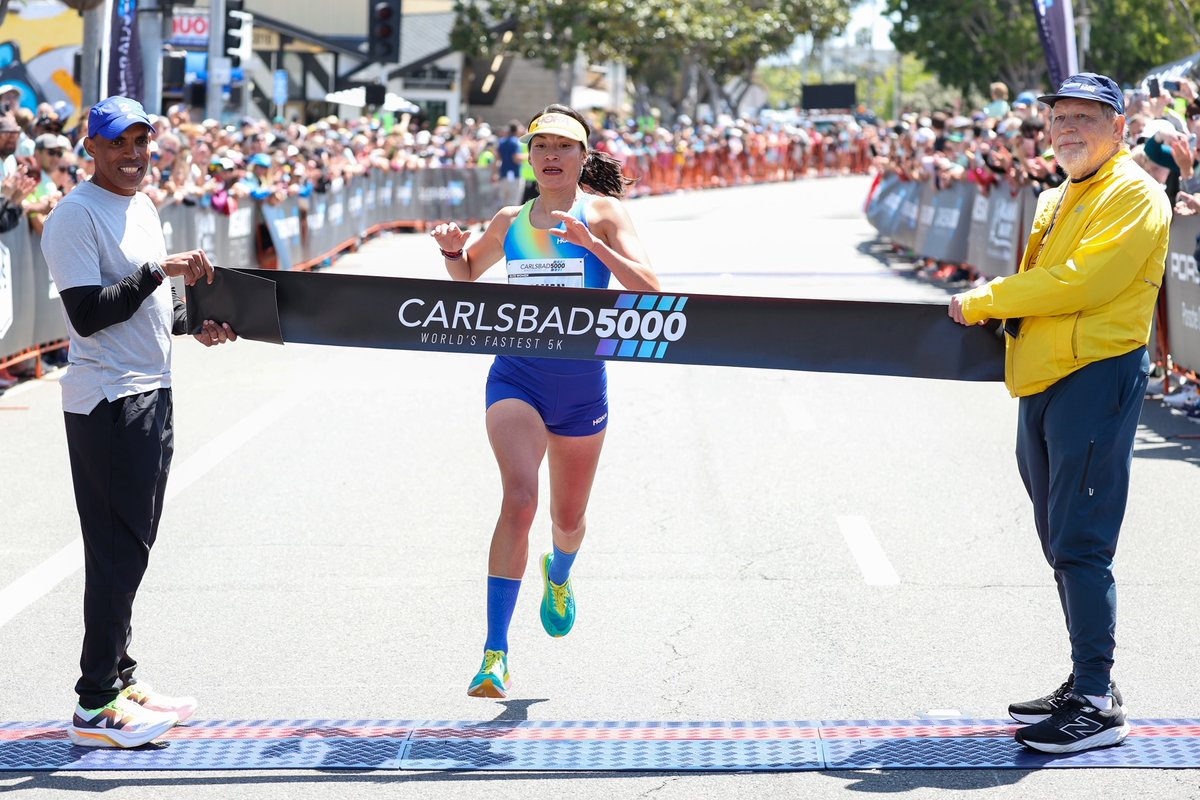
[566,272]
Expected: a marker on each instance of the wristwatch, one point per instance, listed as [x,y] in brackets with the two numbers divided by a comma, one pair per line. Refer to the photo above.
[156,269]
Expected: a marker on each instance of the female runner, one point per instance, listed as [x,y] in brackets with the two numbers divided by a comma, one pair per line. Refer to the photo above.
[540,406]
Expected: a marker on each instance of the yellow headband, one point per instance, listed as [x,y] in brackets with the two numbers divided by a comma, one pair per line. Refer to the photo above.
[559,125]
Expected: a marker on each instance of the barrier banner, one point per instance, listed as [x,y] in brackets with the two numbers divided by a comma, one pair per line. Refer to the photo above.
[1182,288]
[904,225]
[235,237]
[899,339]
[995,234]
[17,289]
[442,194]
[407,204]
[884,204]
[283,223]
[320,232]
[178,227]
[49,325]
[483,194]
[355,210]
[944,221]
[370,202]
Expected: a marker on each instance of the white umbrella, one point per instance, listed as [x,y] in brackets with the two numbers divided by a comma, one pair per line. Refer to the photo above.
[357,97]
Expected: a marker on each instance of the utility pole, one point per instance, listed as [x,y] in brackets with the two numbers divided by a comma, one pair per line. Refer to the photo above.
[105,47]
[89,56]
[219,64]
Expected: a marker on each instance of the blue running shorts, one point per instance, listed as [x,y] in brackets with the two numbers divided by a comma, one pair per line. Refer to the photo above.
[570,396]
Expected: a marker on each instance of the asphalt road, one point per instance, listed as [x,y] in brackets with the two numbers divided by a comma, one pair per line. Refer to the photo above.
[324,547]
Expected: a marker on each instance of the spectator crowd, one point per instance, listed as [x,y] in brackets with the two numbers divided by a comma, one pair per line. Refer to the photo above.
[1006,147]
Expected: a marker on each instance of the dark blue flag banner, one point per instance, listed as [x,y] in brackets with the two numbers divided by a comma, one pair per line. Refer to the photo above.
[902,339]
[1056,29]
[125,52]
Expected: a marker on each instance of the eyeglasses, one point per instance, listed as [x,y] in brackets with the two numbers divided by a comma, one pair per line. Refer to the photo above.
[53,153]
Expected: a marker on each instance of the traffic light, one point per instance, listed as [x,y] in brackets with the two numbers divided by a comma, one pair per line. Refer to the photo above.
[239,33]
[383,31]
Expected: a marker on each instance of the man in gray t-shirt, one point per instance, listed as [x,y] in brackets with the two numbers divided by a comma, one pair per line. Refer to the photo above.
[105,249]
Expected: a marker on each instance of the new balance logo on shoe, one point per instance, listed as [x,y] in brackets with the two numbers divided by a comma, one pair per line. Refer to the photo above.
[1081,726]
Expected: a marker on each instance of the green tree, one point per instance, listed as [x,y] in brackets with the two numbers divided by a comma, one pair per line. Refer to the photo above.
[988,40]
[681,49]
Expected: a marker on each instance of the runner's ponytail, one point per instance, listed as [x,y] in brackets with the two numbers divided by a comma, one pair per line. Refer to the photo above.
[602,174]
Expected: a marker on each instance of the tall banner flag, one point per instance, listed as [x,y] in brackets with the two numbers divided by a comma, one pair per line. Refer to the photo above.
[125,52]
[1056,28]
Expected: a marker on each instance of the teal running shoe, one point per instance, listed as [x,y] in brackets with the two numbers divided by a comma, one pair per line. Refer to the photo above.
[558,602]
[493,679]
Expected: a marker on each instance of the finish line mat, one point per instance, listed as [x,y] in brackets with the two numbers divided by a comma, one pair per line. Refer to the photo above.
[591,746]
[914,340]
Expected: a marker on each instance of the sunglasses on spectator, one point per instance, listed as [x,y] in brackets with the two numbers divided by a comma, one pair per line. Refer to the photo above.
[53,153]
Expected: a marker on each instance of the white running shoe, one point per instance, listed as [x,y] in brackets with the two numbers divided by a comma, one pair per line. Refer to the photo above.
[122,723]
[147,698]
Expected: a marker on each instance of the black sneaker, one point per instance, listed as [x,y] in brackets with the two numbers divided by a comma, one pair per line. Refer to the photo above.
[1032,711]
[1076,725]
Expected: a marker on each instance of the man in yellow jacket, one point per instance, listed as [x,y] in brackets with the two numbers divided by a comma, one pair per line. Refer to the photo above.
[1077,319]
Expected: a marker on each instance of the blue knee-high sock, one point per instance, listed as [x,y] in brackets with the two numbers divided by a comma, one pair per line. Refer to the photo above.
[501,600]
[560,566]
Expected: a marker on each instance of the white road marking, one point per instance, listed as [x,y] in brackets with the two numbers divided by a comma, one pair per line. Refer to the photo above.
[39,581]
[876,569]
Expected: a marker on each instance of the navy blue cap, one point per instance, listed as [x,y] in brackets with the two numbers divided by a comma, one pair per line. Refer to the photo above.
[109,118]
[1088,86]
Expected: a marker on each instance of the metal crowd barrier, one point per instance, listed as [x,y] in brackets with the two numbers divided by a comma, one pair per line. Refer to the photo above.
[961,225]
[299,233]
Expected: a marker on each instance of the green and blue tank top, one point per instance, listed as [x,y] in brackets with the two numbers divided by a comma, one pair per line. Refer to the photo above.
[536,257]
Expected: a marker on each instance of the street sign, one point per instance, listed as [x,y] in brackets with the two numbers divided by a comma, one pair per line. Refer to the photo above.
[222,70]
[281,87]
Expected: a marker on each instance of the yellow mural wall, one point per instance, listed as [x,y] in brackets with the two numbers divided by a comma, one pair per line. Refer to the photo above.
[38,43]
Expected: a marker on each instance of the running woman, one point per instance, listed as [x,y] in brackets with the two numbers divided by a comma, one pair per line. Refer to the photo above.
[540,406]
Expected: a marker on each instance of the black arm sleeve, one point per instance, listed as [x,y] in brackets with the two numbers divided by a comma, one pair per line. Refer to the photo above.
[180,327]
[10,214]
[92,309]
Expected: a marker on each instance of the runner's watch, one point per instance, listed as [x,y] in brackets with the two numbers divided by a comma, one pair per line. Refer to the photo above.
[156,269]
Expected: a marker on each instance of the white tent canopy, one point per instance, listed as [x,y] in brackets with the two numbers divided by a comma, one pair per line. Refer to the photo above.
[357,98]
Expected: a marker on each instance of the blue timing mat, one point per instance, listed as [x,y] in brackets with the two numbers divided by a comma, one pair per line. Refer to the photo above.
[591,746]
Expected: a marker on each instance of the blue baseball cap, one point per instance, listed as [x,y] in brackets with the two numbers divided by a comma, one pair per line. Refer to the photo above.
[109,118]
[1088,86]
[260,160]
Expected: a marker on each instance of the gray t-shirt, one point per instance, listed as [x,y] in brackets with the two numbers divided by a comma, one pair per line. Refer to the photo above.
[97,238]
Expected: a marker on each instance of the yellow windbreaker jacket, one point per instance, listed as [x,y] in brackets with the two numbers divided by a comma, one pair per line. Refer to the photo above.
[1092,291]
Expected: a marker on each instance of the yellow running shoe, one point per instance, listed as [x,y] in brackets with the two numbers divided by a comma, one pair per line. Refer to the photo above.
[493,679]
[558,602]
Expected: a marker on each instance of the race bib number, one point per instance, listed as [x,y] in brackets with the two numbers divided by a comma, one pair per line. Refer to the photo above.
[566,272]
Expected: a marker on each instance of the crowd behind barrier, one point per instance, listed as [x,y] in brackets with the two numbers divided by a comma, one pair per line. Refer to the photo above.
[961,225]
[287,196]
[959,192]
